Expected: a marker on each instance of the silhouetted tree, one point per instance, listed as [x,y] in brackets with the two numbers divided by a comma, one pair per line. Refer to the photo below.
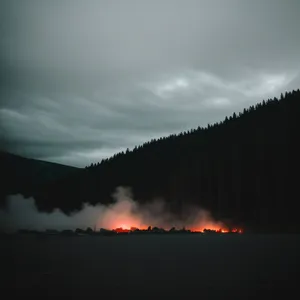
[243,168]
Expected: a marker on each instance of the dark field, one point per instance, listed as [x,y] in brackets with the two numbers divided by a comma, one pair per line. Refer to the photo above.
[152,267]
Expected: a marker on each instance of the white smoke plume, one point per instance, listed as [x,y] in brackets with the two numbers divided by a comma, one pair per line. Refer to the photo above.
[22,213]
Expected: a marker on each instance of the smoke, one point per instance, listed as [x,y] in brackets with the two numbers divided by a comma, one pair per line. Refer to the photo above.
[21,213]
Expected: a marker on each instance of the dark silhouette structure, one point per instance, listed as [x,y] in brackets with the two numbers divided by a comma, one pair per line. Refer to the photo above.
[244,168]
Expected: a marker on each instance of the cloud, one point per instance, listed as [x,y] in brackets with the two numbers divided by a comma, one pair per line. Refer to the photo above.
[79,78]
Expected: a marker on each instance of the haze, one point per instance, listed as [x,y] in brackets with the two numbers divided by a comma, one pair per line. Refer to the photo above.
[124,211]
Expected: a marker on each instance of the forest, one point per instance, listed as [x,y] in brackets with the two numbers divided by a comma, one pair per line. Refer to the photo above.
[244,168]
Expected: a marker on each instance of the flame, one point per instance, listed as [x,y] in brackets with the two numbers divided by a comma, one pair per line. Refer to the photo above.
[218,230]
[122,220]
[122,225]
[211,227]
[127,229]
[127,223]
[121,230]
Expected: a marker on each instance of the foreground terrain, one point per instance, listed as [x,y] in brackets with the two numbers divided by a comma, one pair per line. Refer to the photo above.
[148,267]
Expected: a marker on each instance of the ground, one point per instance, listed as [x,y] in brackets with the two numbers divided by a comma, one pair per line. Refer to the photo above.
[151,267]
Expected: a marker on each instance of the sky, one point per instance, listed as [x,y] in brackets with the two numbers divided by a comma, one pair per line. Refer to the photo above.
[82,80]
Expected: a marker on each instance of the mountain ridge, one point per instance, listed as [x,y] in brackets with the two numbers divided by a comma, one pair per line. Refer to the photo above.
[243,168]
[24,175]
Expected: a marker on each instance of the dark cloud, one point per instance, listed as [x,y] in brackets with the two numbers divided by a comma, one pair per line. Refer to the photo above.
[80,81]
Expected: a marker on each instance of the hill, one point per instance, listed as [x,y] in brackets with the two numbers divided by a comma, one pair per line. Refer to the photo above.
[244,168]
[24,175]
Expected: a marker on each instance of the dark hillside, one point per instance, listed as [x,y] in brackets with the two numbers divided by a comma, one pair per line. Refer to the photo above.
[244,168]
[23,175]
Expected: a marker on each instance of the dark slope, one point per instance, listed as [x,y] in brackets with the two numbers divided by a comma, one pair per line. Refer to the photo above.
[244,168]
[25,176]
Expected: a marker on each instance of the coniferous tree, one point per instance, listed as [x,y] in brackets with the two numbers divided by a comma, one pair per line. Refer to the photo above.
[242,168]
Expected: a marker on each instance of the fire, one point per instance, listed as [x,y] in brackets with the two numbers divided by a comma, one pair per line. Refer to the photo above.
[121,219]
[218,230]
[211,227]
[121,222]
[127,229]
[121,230]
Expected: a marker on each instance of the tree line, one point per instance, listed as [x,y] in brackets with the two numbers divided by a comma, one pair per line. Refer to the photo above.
[244,168]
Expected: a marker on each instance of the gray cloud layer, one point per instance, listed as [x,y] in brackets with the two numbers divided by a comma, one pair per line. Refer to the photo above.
[81,80]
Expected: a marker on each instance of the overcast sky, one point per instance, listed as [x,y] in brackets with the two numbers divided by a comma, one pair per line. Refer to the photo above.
[82,80]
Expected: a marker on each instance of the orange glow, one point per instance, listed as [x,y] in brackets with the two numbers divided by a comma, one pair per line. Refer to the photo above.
[217,227]
[126,229]
[126,215]
[211,228]
[121,230]
[123,221]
